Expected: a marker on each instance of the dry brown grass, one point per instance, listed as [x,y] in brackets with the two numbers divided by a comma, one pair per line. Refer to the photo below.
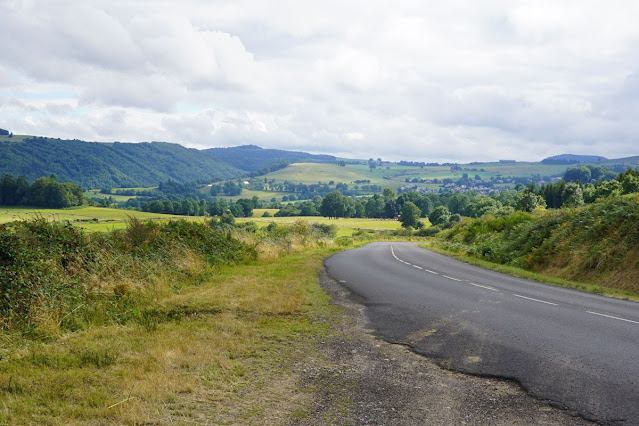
[217,352]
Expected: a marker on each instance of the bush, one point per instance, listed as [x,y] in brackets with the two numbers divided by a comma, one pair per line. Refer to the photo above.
[40,259]
[54,266]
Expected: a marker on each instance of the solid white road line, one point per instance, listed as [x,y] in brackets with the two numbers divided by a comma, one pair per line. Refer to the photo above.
[535,300]
[610,316]
[484,286]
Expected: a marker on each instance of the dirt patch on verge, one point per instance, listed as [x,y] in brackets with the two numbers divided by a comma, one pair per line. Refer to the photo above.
[359,379]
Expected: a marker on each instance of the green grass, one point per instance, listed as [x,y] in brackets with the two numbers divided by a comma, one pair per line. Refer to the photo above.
[261,195]
[85,217]
[15,138]
[534,276]
[394,175]
[347,224]
[227,359]
[312,173]
[95,193]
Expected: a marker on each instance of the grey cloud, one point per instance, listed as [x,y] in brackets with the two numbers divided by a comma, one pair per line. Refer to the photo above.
[465,81]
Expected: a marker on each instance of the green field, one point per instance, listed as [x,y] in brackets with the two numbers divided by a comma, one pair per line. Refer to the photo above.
[394,175]
[99,219]
[312,173]
[247,193]
[95,193]
[15,138]
[345,226]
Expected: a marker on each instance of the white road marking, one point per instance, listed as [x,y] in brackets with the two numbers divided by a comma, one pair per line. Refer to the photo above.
[484,286]
[610,316]
[535,300]
[418,267]
[432,272]
[451,278]
[342,281]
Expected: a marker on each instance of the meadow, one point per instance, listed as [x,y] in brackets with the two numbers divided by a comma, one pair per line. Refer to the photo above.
[14,138]
[99,219]
[394,175]
[345,226]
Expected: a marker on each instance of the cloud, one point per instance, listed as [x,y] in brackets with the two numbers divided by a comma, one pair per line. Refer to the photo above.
[454,81]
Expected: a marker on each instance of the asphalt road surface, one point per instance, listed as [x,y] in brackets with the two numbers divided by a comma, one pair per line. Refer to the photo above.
[575,350]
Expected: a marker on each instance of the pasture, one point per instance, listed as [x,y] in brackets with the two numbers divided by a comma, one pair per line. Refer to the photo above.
[96,219]
[345,226]
[394,176]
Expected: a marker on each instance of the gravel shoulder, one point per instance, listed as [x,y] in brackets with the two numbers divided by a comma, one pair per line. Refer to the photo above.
[357,378]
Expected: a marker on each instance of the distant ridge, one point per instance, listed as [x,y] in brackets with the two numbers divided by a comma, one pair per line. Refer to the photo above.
[573,159]
[99,165]
[252,158]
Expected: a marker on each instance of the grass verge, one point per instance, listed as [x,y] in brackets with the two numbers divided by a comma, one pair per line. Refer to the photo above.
[547,279]
[218,352]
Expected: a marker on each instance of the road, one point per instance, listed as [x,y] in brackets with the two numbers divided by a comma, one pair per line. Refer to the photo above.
[575,350]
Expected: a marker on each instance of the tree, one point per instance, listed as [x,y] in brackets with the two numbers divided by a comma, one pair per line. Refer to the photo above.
[529,201]
[409,216]
[440,215]
[375,207]
[573,195]
[578,174]
[333,205]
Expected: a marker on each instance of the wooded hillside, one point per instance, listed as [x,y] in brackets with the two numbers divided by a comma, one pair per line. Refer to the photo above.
[97,165]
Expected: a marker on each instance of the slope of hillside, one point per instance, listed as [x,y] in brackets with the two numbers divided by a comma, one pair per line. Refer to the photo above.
[596,244]
[252,158]
[573,159]
[95,165]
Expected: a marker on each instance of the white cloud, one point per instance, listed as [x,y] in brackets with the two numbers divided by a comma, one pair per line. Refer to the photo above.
[453,81]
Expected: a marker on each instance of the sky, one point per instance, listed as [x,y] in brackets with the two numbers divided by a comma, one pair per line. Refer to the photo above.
[421,80]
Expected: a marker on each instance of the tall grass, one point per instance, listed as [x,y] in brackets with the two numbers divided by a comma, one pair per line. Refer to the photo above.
[597,243]
[54,277]
[158,323]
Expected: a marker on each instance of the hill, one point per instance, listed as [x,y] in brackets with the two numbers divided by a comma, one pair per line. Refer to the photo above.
[97,164]
[573,159]
[595,244]
[252,158]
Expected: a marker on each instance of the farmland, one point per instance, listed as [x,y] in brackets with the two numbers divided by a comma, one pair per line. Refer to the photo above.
[394,175]
[345,226]
[90,218]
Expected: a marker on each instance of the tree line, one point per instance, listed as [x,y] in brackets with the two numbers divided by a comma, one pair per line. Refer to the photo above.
[44,192]
[446,207]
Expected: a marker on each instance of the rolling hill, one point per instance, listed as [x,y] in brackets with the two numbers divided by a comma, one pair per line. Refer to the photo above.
[253,158]
[97,164]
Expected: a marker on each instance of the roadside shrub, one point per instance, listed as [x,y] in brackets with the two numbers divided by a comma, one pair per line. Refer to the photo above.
[40,259]
[50,270]
[592,242]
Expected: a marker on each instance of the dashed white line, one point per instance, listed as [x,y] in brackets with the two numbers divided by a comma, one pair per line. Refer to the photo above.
[484,286]
[451,278]
[418,267]
[432,272]
[535,300]
[610,316]
[342,281]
